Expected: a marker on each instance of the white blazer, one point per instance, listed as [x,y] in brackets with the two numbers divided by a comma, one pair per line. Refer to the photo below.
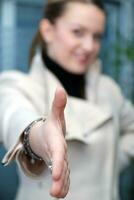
[100,131]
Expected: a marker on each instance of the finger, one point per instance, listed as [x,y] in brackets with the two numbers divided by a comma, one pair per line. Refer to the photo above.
[56,183]
[58,163]
[59,157]
[60,187]
[65,189]
[59,102]
[66,182]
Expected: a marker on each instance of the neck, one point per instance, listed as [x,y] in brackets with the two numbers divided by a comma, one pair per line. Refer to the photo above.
[73,84]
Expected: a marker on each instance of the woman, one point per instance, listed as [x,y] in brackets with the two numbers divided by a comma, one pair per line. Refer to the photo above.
[99,121]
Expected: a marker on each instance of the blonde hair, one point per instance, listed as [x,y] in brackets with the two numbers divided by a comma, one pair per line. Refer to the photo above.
[52,10]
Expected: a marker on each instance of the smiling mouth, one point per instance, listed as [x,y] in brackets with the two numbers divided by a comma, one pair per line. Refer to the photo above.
[83,60]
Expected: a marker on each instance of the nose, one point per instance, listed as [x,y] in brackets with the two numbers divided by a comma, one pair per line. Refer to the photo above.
[88,44]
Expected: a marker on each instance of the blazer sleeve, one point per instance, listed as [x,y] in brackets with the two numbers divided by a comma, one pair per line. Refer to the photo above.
[127,128]
[16,112]
[123,111]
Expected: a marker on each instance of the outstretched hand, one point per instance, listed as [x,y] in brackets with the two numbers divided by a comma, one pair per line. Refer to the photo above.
[50,144]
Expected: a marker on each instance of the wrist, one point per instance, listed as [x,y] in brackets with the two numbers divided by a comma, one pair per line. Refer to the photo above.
[30,140]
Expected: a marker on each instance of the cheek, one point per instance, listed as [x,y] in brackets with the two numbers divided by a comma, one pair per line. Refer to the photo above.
[97,48]
[66,42]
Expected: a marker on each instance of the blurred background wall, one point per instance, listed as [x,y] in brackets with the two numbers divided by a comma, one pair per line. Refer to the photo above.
[18,23]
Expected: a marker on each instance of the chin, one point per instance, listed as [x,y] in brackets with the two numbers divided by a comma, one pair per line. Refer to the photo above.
[80,71]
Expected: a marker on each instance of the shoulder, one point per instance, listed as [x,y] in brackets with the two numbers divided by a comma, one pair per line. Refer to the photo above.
[15,77]
[12,76]
[110,90]
[19,81]
[109,83]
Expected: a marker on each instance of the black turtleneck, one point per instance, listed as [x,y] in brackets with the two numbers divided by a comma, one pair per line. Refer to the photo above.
[73,84]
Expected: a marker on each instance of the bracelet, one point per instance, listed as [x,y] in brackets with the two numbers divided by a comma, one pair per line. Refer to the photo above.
[26,145]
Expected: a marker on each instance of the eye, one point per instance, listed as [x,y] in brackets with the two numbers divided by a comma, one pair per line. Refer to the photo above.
[78,32]
[98,37]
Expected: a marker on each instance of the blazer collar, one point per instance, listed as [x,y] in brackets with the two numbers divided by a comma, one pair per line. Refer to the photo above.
[83,117]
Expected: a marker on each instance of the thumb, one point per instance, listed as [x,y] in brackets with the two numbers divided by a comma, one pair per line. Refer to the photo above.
[59,103]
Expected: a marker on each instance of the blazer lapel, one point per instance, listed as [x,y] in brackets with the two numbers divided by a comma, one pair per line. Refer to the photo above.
[83,118]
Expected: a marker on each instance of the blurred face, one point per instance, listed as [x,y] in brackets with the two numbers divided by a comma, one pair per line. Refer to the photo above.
[74,40]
